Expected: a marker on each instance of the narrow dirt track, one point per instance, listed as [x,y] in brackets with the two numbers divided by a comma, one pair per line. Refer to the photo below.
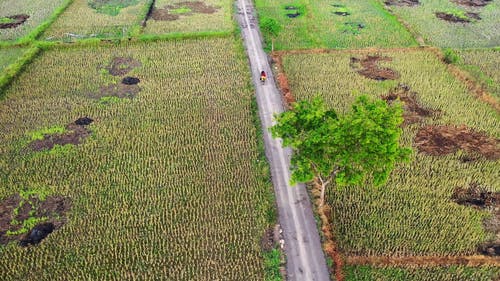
[304,255]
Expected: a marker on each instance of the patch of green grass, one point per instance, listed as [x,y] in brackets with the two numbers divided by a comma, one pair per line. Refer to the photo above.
[40,134]
[460,14]
[181,10]
[272,263]
[111,7]
[6,20]
[451,273]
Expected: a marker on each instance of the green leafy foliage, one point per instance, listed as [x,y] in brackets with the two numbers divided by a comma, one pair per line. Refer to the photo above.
[450,56]
[272,263]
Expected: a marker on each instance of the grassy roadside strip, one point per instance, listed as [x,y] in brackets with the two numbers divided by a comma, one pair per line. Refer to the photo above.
[14,69]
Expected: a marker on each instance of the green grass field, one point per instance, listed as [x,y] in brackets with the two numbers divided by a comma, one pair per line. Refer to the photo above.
[318,27]
[453,273]
[437,32]
[37,10]
[413,214]
[483,65]
[215,15]
[81,20]
[169,185]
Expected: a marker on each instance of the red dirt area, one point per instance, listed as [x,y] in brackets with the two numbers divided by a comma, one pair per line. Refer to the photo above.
[413,111]
[17,20]
[76,133]
[53,208]
[442,140]
[164,14]
[409,3]
[472,3]
[369,68]
[453,18]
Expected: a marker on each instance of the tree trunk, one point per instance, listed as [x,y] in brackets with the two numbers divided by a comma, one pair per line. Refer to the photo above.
[322,196]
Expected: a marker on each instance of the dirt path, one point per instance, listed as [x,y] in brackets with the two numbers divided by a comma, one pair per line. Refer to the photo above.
[305,258]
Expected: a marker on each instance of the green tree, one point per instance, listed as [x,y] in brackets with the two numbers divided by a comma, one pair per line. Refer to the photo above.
[271,28]
[359,146]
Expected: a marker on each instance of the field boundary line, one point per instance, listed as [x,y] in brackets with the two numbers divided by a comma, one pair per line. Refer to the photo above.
[423,261]
[16,68]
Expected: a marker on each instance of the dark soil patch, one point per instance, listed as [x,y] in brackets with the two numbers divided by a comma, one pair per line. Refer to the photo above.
[409,3]
[369,68]
[490,249]
[75,135]
[120,66]
[83,121]
[53,208]
[413,111]
[338,13]
[37,234]
[473,3]
[166,14]
[17,20]
[267,241]
[453,18]
[442,140]
[130,80]
[476,195]
[294,15]
[118,90]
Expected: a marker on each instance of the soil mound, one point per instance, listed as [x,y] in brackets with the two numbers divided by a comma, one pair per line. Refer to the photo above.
[83,121]
[15,208]
[454,18]
[37,234]
[473,3]
[76,133]
[122,65]
[476,195]
[413,111]
[442,140]
[130,80]
[13,21]
[173,12]
[409,3]
[369,68]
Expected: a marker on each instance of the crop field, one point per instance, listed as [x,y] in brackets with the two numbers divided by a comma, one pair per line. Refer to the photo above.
[333,24]
[175,16]
[413,214]
[163,178]
[93,19]
[445,23]
[19,17]
[9,55]
[483,65]
[453,273]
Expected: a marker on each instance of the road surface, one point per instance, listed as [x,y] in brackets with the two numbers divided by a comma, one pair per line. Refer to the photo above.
[304,256]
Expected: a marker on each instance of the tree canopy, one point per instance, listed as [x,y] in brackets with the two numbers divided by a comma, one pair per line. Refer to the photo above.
[359,146]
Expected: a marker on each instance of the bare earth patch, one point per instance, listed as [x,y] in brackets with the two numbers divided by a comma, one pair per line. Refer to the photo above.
[122,65]
[409,3]
[53,208]
[413,111]
[168,12]
[453,18]
[77,132]
[369,68]
[117,90]
[473,3]
[442,140]
[17,20]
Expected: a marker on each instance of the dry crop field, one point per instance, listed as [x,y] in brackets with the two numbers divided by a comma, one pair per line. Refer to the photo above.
[429,206]
[139,165]
[169,16]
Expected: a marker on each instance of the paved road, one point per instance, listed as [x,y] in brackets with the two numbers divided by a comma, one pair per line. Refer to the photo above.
[305,258]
